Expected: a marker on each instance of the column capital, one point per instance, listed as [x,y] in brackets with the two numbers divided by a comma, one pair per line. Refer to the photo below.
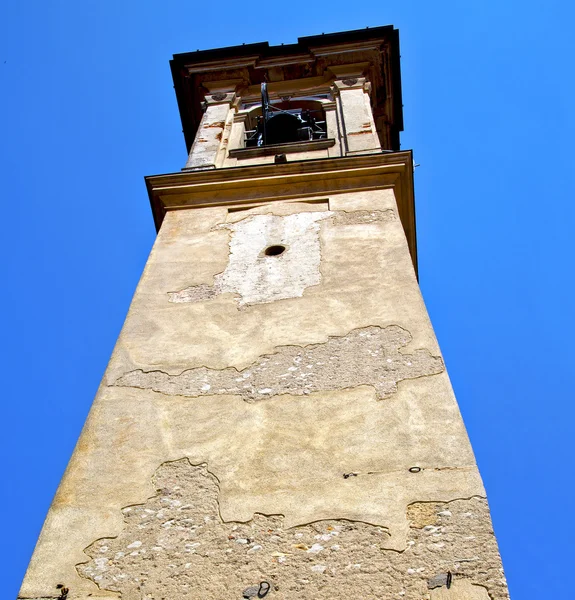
[219,98]
[221,92]
[349,83]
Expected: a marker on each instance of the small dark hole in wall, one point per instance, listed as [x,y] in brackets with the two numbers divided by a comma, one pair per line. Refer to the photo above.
[274,250]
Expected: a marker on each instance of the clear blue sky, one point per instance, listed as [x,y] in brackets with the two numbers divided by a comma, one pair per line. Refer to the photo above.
[88,109]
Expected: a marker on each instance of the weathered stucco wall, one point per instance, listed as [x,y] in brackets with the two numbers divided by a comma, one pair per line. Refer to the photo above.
[280,425]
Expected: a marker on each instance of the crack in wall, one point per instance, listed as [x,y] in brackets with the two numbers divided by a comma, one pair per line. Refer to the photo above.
[367,356]
[414,469]
[176,544]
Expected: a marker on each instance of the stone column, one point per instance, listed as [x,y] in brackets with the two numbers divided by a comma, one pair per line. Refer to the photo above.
[238,131]
[210,133]
[333,128]
[356,116]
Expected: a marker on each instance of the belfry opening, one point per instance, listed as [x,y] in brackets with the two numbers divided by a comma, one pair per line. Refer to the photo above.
[289,120]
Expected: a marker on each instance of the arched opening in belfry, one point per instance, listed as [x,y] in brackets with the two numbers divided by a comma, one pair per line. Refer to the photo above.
[285,121]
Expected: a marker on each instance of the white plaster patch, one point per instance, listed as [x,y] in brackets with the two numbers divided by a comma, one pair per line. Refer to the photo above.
[257,278]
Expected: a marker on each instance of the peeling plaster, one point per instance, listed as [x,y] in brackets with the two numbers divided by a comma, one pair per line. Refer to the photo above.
[176,544]
[368,356]
[362,217]
[255,278]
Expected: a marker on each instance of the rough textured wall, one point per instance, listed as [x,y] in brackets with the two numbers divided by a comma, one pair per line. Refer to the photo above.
[273,423]
[368,356]
[176,543]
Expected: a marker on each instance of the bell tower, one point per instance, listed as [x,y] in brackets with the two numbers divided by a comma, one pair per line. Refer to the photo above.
[276,419]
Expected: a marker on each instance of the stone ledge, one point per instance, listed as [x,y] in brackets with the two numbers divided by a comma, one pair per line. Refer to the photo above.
[244,185]
[304,146]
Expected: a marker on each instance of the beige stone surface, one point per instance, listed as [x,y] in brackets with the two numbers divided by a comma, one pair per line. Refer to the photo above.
[344,455]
